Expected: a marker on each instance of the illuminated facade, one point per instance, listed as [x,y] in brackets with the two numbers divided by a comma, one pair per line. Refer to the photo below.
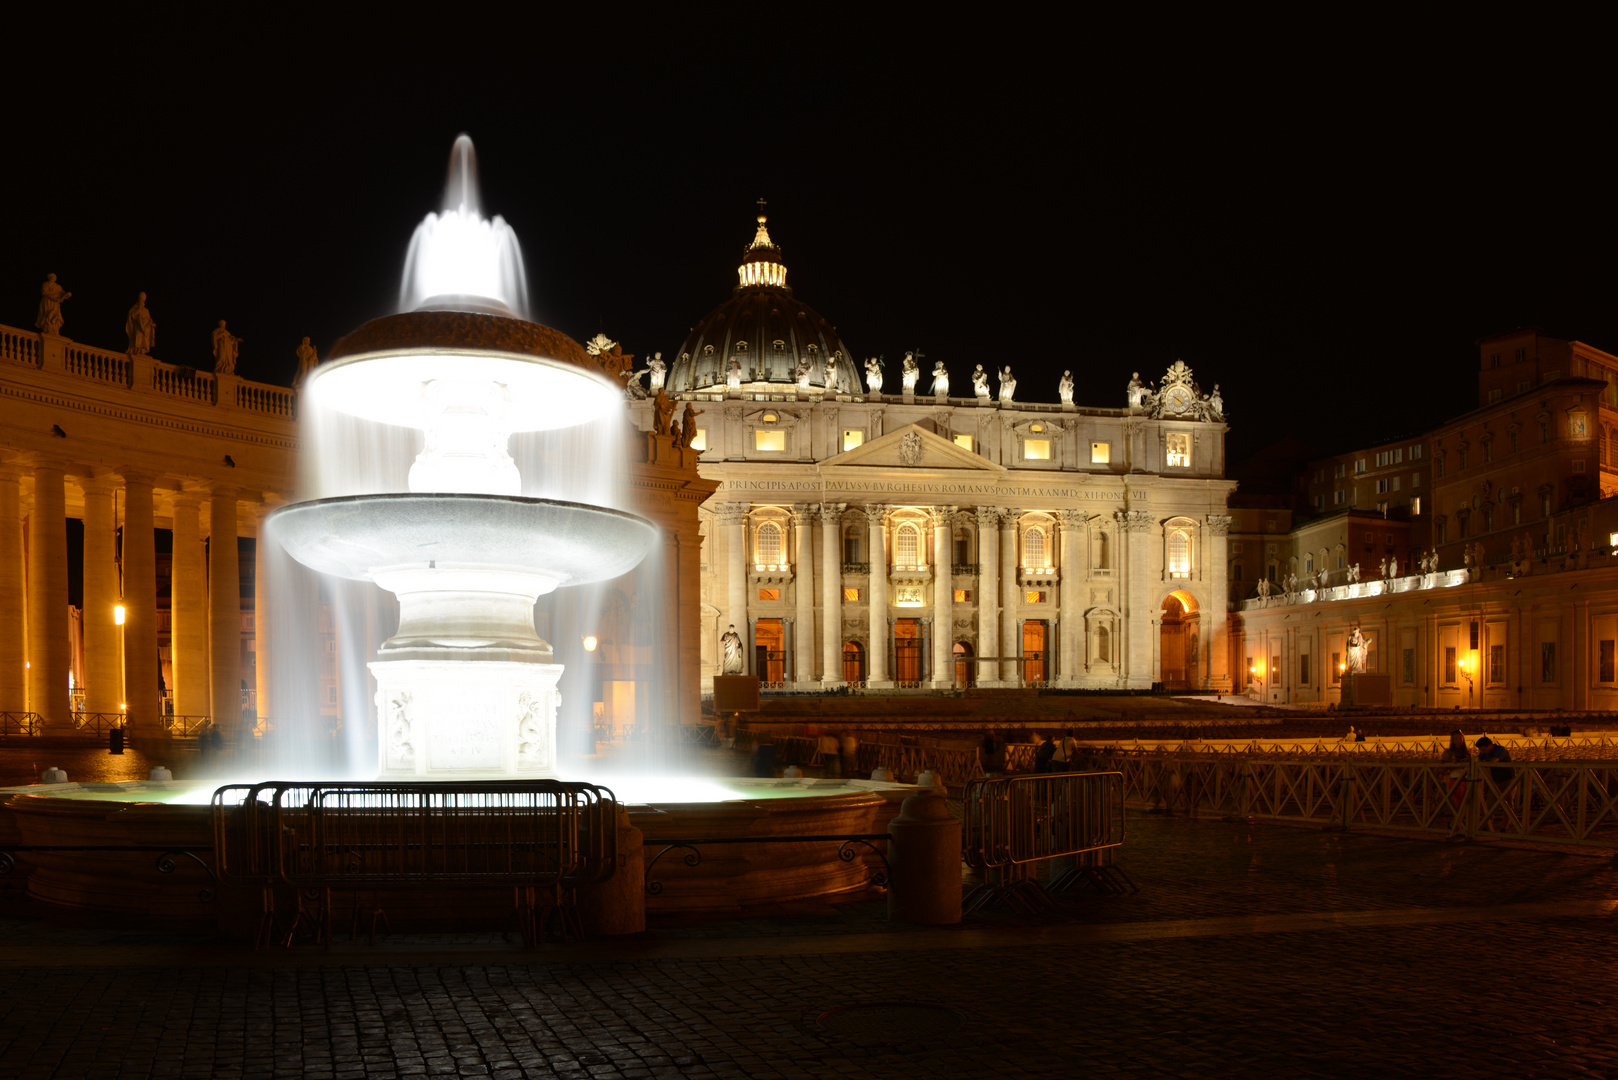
[905,538]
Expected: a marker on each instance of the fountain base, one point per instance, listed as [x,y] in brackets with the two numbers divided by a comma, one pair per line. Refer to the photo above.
[466,719]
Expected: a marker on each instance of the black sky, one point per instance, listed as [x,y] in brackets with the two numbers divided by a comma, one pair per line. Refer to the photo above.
[1321,217]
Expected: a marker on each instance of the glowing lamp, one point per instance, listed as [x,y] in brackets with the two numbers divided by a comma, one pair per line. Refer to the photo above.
[118,614]
[590,643]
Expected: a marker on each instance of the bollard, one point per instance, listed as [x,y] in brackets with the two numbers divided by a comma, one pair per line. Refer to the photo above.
[159,773]
[879,773]
[791,772]
[618,905]
[115,740]
[930,780]
[53,775]
[924,855]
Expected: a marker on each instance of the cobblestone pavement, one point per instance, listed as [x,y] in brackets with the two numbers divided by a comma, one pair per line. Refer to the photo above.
[1251,950]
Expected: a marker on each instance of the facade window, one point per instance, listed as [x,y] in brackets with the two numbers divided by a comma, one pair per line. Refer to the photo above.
[1514,442]
[1308,564]
[852,596]
[1547,661]
[1035,596]
[1303,669]
[1236,570]
[1545,506]
[1179,451]
[1516,513]
[1415,504]
[964,441]
[1441,531]
[907,546]
[1416,452]
[1544,431]
[1100,453]
[963,551]
[1382,487]
[1462,463]
[851,544]
[1449,665]
[1409,666]
[1494,395]
[962,596]
[769,594]
[852,438]
[1497,664]
[1101,552]
[1578,464]
[700,443]
[1034,554]
[1179,554]
[1488,519]
[1036,449]
[1606,661]
[767,550]
[1488,451]
[769,441]
[1340,472]
[1359,466]
[1339,497]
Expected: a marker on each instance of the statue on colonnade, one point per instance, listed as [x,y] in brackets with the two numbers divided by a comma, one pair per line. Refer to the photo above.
[980,383]
[940,386]
[140,328]
[224,350]
[909,373]
[873,375]
[1064,389]
[308,360]
[1008,384]
[51,295]
[688,430]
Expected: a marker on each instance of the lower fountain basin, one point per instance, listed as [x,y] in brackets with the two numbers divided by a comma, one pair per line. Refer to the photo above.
[360,536]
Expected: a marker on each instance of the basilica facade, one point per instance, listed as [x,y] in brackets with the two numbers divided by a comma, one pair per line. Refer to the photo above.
[894,536]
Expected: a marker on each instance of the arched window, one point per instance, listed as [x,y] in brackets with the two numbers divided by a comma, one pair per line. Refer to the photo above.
[1033,549]
[1179,553]
[1235,571]
[907,546]
[1101,553]
[851,544]
[768,547]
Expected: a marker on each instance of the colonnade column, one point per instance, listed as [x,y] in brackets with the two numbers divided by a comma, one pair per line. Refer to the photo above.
[103,662]
[943,600]
[1010,633]
[263,627]
[49,650]
[831,573]
[988,592]
[803,641]
[1216,639]
[13,601]
[1070,607]
[876,669]
[732,516]
[224,613]
[143,679]
[188,609]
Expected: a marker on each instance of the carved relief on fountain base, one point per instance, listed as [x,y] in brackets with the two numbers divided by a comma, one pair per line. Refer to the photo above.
[450,719]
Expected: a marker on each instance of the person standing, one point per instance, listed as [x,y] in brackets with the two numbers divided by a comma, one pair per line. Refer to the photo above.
[1066,752]
[1043,755]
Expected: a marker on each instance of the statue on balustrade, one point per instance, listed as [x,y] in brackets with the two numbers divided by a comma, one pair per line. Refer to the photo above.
[657,369]
[688,431]
[140,328]
[1064,388]
[1008,385]
[801,373]
[308,360]
[733,374]
[873,375]
[730,642]
[1216,403]
[940,387]
[909,373]
[51,295]
[980,383]
[1137,392]
[664,407]
[224,350]
[1384,566]
[1393,566]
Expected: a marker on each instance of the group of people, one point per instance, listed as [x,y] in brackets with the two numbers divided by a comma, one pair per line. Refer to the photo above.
[1459,755]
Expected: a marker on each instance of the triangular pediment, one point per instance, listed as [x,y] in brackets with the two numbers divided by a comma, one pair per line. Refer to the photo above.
[912,447]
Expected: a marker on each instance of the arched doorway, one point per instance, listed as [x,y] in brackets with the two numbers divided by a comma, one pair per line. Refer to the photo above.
[853,662]
[965,669]
[1179,642]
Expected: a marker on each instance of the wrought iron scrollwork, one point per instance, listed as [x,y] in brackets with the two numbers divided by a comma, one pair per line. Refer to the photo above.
[878,878]
[167,865]
[693,857]
[7,863]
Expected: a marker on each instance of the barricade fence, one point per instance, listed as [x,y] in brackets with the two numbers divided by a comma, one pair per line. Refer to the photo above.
[1562,802]
[541,838]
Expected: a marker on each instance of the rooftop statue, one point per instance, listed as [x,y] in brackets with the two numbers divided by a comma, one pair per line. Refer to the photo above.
[224,350]
[940,386]
[308,360]
[802,372]
[663,405]
[658,370]
[688,430]
[980,383]
[873,375]
[1064,388]
[1008,385]
[1216,404]
[733,374]
[1137,392]
[51,295]
[910,373]
[140,328]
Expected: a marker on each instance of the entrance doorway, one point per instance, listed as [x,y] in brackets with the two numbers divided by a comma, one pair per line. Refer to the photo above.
[965,669]
[1033,652]
[853,663]
[907,652]
[1179,644]
[769,652]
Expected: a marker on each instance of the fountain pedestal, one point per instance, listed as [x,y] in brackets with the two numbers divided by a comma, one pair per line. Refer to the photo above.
[462,719]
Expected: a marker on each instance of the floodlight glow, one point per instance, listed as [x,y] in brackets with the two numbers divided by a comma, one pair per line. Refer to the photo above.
[118,614]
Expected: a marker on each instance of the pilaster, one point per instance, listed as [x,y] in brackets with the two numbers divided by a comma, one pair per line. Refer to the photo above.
[877,666]
[831,563]
[988,593]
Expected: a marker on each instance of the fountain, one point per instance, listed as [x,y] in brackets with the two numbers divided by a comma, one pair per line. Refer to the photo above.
[466,688]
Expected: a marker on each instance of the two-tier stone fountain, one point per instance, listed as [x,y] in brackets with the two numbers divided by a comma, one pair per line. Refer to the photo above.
[466,688]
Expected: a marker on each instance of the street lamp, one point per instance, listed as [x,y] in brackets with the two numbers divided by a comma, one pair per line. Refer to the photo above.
[590,643]
[1466,672]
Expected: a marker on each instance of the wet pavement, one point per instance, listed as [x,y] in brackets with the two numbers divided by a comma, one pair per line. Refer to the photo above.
[1251,950]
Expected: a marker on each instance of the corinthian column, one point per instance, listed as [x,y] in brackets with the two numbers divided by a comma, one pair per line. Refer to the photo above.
[988,593]
[732,516]
[943,601]
[13,600]
[188,609]
[803,583]
[1010,632]
[1135,591]
[876,670]
[831,602]
[1215,636]
[143,678]
[49,650]
[224,613]
[103,662]
[1072,584]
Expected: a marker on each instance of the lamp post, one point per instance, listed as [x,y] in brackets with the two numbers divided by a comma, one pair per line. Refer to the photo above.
[1466,672]
[118,616]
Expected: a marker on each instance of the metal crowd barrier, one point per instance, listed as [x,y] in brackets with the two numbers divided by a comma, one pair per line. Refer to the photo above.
[541,838]
[1009,823]
[1561,802]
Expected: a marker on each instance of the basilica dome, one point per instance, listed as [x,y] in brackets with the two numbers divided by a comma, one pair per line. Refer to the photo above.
[770,335]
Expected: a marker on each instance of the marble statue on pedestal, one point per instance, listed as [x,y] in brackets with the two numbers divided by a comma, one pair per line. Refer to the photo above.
[873,375]
[1357,650]
[940,387]
[51,295]
[1384,566]
[909,373]
[224,350]
[1008,384]
[1216,403]
[308,359]
[980,383]
[1393,566]
[140,328]
[1263,588]
[730,644]
[1064,388]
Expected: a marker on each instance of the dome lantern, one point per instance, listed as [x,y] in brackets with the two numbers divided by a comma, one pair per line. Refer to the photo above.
[761,261]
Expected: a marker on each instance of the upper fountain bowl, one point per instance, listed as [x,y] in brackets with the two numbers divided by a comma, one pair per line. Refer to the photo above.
[394,369]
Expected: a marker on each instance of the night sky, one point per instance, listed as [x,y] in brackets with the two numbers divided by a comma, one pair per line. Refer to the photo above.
[1321,218]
